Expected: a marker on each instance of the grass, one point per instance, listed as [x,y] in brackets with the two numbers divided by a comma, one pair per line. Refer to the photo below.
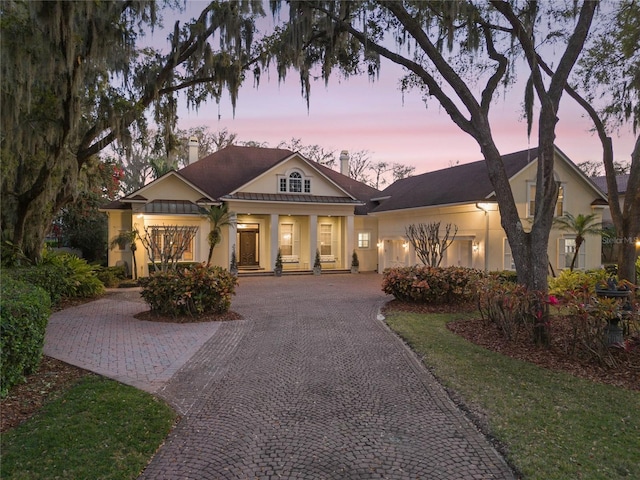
[97,429]
[552,424]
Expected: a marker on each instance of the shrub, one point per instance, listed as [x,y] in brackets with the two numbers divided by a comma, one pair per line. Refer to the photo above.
[594,319]
[63,276]
[505,275]
[504,304]
[111,276]
[577,280]
[51,278]
[24,310]
[513,309]
[434,285]
[354,260]
[192,290]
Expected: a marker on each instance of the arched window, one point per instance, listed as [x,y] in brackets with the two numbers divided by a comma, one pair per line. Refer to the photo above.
[295,182]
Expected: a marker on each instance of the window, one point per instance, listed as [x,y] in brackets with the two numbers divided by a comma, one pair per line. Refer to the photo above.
[168,241]
[560,202]
[325,239]
[531,200]
[567,249]
[295,182]
[364,239]
[508,257]
[286,239]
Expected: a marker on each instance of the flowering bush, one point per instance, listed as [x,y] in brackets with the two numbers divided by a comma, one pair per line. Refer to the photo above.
[434,285]
[192,290]
[514,309]
[592,319]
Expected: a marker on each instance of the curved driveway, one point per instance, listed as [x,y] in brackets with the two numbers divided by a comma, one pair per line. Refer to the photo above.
[309,385]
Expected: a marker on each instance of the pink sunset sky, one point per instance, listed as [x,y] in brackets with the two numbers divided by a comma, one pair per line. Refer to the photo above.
[357,114]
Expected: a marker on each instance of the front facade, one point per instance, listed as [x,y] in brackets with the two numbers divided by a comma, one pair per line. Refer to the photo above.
[278,200]
[281,201]
[463,196]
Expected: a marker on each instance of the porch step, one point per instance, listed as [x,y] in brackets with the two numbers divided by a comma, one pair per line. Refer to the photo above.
[264,273]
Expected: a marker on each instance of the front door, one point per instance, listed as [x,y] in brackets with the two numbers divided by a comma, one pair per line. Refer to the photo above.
[248,248]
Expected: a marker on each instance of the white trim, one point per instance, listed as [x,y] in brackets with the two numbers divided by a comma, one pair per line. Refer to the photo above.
[129,199]
[286,159]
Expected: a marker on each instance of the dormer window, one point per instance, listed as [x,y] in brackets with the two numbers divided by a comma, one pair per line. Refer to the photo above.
[531,198]
[294,182]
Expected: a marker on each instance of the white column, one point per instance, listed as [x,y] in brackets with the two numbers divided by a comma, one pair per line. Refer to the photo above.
[349,241]
[273,246]
[233,230]
[313,238]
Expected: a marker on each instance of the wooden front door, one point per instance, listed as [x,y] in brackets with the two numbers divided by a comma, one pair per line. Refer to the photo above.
[248,249]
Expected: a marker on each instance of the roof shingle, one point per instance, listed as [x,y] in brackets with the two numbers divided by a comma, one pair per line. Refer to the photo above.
[460,184]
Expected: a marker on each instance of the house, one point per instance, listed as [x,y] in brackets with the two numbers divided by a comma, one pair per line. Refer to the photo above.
[279,201]
[463,196]
[283,201]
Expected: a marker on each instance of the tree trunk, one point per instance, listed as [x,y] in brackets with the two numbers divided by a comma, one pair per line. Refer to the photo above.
[630,220]
[626,261]
[579,241]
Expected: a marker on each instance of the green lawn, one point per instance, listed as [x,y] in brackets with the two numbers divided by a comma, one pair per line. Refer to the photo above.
[554,425]
[97,429]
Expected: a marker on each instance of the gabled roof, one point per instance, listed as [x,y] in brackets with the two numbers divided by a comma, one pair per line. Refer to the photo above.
[232,167]
[460,184]
[222,173]
[621,182]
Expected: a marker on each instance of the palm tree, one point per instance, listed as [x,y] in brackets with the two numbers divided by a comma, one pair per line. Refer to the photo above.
[580,225]
[219,216]
[128,237]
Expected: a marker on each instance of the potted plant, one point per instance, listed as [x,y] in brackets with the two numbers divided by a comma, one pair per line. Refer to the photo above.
[278,267]
[317,267]
[355,263]
[233,266]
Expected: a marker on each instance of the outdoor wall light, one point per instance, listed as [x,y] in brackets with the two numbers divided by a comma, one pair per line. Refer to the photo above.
[475,247]
[405,245]
[484,206]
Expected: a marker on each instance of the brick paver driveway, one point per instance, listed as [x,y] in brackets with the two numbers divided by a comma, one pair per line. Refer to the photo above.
[312,385]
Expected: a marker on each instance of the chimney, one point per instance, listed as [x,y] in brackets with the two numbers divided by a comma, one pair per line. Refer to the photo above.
[344,162]
[193,150]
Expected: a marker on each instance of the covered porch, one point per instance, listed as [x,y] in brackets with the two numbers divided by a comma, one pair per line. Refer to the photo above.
[257,238]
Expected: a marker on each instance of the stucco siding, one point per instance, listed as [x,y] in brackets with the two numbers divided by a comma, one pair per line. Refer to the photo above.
[269,182]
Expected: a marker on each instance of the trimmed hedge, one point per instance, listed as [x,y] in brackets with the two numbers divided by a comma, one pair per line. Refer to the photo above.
[24,311]
[433,285]
[192,290]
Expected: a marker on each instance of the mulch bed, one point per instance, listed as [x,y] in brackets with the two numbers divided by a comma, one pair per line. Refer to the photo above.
[626,374]
[27,398]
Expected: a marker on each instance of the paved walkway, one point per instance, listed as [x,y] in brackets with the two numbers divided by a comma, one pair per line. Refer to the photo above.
[309,385]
